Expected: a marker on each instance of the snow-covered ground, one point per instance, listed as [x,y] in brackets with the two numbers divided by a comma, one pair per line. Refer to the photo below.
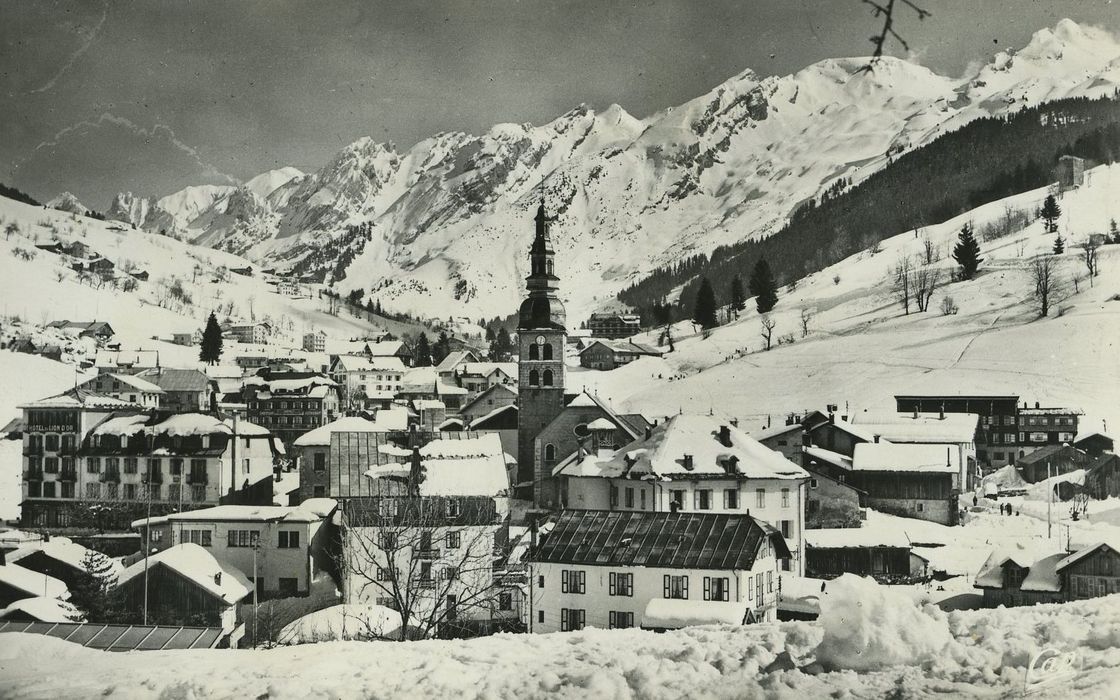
[871,642]
[861,350]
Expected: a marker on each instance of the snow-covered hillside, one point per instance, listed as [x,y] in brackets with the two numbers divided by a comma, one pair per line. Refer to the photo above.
[451,217]
[861,350]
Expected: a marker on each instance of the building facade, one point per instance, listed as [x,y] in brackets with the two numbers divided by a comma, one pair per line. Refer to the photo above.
[291,403]
[614,325]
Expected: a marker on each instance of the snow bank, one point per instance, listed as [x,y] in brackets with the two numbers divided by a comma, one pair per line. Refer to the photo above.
[342,622]
[868,627]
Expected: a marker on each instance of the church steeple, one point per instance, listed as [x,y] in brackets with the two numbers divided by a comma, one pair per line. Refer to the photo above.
[542,308]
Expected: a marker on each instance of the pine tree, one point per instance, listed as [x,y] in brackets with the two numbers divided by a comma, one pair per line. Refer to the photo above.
[441,349]
[422,354]
[967,253]
[210,350]
[1059,245]
[92,592]
[1113,231]
[502,347]
[1050,213]
[705,312]
[738,296]
[763,287]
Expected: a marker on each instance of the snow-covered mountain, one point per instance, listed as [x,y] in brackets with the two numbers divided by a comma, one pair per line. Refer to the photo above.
[68,202]
[448,221]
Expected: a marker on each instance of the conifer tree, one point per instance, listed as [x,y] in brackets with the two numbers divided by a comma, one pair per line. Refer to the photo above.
[967,253]
[92,593]
[442,348]
[763,286]
[502,346]
[738,296]
[1113,231]
[422,354]
[705,312]
[1050,213]
[1059,245]
[210,350]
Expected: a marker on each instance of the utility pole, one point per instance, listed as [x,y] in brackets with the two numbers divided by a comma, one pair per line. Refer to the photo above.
[256,587]
[147,537]
[1049,500]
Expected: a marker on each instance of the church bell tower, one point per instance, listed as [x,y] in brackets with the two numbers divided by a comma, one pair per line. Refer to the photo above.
[541,337]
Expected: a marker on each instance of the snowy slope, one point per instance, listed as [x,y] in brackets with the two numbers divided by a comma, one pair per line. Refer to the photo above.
[862,350]
[454,211]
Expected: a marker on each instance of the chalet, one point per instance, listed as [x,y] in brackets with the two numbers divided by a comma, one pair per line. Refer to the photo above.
[18,583]
[141,275]
[247,271]
[915,481]
[1051,460]
[453,360]
[1018,579]
[183,390]
[55,247]
[38,609]
[614,325]
[940,428]
[186,339]
[1091,572]
[289,542]
[485,403]
[503,421]
[610,354]
[291,403]
[687,464]
[127,387]
[830,499]
[85,329]
[657,570]
[312,450]
[885,555]
[1041,426]
[1103,478]
[62,559]
[185,583]
[425,383]
[125,362]
[102,267]
[389,347]
[787,439]
[999,420]
[1094,443]
[477,377]
[253,333]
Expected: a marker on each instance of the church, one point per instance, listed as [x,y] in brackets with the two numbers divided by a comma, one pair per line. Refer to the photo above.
[552,424]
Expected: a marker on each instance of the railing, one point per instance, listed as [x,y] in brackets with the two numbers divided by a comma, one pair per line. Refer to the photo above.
[429,553]
[197,479]
[33,475]
[33,450]
[68,450]
[426,583]
[113,476]
[69,475]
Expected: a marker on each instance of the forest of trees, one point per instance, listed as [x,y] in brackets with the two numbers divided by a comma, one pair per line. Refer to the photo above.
[13,193]
[985,160]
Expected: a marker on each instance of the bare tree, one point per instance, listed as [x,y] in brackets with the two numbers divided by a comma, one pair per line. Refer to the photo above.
[1047,285]
[1089,257]
[901,281]
[930,252]
[429,558]
[768,325]
[925,283]
[10,230]
[807,315]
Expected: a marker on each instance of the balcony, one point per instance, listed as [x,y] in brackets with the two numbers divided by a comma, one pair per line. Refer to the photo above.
[197,479]
[33,450]
[153,477]
[33,475]
[68,450]
[426,583]
[426,554]
[69,475]
[110,477]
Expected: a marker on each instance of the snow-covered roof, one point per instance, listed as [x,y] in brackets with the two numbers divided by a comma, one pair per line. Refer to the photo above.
[891,457]
[428,404]
[291,385]
[32,582]
[362,363]
[675,613]
[80,398]
[663,453]
[624,346]
[310,511]
[385,420]
[601,424]
[197,565]
[801,594]
[775,431]
[122,425]
[501,409]
[925,428]
[135,358]
[584,400]
[342,622]
[473,466]
[454,359]
[178,424]
[64,550]
[1082,553]
[450,423]
[828,456]
[1043,575]
[866,536]
[384,348]
[991,571]
[44,609]
[485,369]
[134,381]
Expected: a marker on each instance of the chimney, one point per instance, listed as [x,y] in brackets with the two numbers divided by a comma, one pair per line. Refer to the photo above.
[688,462]
[807,439]
[725,436]
[649,432]
[941,415]
[218,579]
[1036,404]
[915,413]
[877,439]
[831,418]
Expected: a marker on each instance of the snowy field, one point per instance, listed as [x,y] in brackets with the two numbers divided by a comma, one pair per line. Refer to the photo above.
[861,350]
[871,642]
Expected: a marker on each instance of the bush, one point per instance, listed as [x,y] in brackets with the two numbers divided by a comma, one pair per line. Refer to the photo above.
[948,306]
[836,279]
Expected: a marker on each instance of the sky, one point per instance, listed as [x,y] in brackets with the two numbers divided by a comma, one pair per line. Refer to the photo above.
[149,96]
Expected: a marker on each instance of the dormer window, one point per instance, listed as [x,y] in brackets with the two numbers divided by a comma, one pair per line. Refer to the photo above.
[687,462]
[205,442]
[124,441]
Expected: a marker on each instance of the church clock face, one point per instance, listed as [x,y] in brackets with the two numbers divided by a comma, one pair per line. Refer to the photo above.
[540,340]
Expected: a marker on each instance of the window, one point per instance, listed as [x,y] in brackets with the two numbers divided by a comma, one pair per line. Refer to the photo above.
[51,442]
[546,352]
[571,619]
[176,466]
[48,489]
[453,539]
[730,499]
[758,587]
[453,508]
[540,582]
[812,483]
[549,453]
[534,352]
[243,538]
[67,489]
[112,491]
[540,616]
[505,601]
[760,497]
[319,491]
[34,489]
[198,493]
[1009,420]
[155,466]
[701,498]
[785,498]
[50,465]
[534,377]
[93,465]
[425,572]
[629,497]
[128,492]
[383,574]
[155,535]
[618,620]
[614,495]
[93,491]
[289,586]
[621,584]
[289,539]
[202,538]
[675,587]
[546,378]
[716,588]
[676,497]
[786,527]
[320,461]
[769,581]
[129,465]
[642,493]
[387,541]
[572,581]
[922,506]
[448,573]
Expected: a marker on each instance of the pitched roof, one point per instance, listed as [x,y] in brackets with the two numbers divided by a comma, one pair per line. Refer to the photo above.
[63,550]
[492,389]
[1082,553]
[454,359]
[43,609]
[828,456]
[137,382]
[197,565]
[475,466]
[361,363]
[140,358]
[32,582]
[385,420]
[80,398]
[663,453]
[925,428]
[1050,451]
[178,379]
[889,457]
[626,346]
[719,541]
[845,537]
[478,422]
[775,431]
[310,511]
